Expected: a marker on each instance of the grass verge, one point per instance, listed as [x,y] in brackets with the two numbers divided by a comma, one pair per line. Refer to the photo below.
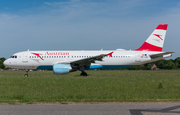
[99,86]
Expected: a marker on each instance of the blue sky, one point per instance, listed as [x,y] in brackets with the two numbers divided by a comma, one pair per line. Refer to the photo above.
[85,24]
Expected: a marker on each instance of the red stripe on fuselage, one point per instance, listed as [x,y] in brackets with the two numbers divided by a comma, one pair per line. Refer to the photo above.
[162,26]
[149,47]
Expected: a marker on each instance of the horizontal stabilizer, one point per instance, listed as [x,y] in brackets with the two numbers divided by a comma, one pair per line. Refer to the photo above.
[160,54]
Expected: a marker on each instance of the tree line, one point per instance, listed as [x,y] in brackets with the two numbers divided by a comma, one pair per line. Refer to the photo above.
[161,64]
[1,62]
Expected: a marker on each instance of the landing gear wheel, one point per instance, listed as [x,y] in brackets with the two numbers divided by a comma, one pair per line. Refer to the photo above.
[25,75]
[83,74]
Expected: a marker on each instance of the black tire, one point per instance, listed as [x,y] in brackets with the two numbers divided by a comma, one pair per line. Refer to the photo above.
[85,74]
[26,75]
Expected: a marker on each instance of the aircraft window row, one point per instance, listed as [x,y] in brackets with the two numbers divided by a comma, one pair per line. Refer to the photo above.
[48,56]
[81,56]
[72,56]
[121,56]
[118,57]
[60,56]
[13,56]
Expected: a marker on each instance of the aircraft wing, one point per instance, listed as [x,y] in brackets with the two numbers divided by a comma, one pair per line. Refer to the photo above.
[89,60]
[160,54]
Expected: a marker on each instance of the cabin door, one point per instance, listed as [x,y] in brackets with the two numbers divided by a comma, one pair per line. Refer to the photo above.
[25,57]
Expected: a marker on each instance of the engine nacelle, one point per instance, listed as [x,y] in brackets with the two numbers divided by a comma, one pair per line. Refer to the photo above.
[61,69]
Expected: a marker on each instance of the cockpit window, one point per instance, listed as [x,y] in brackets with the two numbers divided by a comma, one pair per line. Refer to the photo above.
[15,56]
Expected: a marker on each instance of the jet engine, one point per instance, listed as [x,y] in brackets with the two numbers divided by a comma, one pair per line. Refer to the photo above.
[60,69]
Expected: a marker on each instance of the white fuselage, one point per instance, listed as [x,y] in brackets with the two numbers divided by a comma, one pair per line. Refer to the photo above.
[63,62]
[46,59]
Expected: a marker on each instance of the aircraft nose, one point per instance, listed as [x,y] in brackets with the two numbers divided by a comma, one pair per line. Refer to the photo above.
[5,63]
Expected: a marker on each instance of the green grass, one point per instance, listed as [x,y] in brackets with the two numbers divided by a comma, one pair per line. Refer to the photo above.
[99,86]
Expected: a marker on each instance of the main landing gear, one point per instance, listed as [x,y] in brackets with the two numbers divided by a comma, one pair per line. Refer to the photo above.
[83,74]
[26,75]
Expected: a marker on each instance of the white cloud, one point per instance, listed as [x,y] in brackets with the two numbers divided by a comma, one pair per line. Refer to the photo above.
[97,9]
[54,3]
[7,8]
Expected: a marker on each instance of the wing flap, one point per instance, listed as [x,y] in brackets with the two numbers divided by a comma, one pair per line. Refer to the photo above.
[90,60]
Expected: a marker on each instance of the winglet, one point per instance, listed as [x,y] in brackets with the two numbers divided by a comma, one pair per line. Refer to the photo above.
[110,54]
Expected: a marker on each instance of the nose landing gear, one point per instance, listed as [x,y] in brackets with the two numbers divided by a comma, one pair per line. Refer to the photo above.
[26,75]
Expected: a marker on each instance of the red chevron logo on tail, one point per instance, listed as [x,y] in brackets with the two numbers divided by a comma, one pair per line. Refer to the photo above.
[159,36]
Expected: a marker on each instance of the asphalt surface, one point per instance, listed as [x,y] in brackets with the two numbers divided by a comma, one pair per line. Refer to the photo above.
[92,109]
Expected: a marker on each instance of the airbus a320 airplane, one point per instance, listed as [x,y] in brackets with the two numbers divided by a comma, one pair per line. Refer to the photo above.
[63,62]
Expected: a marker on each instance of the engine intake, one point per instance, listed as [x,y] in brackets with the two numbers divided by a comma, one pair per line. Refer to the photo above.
[61,69]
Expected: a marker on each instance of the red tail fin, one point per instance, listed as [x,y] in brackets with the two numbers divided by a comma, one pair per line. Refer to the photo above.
[156,40]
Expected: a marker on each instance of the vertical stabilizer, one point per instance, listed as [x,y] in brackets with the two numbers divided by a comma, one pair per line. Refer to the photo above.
[156,40]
